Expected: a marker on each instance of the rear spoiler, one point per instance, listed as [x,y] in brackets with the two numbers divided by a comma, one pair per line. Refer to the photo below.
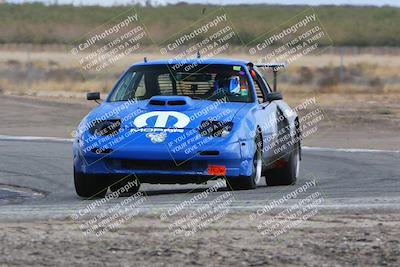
[275,68]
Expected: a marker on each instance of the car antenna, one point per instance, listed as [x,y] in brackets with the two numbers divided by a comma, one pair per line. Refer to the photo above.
[145,59]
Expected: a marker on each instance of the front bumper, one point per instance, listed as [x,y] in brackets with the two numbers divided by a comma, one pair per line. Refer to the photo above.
[163,163]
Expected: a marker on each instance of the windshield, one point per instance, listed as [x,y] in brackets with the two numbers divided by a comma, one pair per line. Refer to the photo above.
[208,82]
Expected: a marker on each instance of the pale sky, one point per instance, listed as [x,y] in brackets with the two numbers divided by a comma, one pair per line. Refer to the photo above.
[223,2]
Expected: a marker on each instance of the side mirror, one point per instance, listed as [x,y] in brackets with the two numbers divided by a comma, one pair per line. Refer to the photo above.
[274,96]
[93,96]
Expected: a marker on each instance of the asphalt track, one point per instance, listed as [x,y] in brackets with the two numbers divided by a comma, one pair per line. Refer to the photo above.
[36,182]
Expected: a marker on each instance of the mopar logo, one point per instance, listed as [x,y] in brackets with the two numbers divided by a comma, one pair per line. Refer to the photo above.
[162,117]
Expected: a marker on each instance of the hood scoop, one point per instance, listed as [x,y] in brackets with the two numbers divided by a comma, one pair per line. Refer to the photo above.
[170,102]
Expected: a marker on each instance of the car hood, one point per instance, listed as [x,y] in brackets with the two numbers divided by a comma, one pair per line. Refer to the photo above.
[166,112]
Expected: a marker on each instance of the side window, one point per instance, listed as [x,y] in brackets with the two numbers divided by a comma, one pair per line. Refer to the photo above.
[125,86]
[141,88]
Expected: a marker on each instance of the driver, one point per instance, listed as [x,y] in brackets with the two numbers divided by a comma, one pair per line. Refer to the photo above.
[227,84]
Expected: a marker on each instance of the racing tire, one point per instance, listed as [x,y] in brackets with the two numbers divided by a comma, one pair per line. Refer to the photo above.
[88,186]
[287,175]
[249,182]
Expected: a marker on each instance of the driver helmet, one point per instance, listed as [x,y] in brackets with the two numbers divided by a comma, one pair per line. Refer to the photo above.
[230,84]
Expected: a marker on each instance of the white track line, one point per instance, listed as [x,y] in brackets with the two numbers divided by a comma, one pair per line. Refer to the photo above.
[307,148]
[34,138]
[351,150]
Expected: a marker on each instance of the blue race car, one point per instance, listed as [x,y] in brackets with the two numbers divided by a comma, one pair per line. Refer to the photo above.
[175,121]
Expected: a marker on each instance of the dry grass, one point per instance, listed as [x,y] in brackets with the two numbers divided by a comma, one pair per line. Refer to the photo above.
[57,71]
[43,24]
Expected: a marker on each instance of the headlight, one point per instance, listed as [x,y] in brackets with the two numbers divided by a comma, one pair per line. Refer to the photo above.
[215,128]
[108,127]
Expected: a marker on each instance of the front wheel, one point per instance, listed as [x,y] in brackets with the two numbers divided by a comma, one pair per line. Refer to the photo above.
[287,174]
[89,186]
[249,182]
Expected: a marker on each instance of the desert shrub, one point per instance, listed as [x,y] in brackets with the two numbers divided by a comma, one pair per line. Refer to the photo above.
[376,83]
[327,76]
[304,75]
[64,74]
[13,63]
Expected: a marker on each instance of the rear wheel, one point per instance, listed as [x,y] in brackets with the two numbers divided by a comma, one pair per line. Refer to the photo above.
[287,174]
[249,182]
[89,186]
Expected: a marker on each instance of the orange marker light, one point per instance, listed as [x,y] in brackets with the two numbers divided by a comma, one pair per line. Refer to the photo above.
[216,170]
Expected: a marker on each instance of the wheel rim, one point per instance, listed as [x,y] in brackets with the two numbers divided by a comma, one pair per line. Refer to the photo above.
[257,165]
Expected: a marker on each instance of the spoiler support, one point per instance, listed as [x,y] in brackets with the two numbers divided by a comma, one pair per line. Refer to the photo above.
[275,68]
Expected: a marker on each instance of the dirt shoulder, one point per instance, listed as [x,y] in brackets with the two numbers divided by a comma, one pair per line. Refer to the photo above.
[351,121]
[325,240]
[32,116]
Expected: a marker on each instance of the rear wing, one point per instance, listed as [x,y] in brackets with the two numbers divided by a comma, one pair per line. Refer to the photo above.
[275,68]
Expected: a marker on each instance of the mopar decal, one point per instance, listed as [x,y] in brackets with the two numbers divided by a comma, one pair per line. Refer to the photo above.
[162,118]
